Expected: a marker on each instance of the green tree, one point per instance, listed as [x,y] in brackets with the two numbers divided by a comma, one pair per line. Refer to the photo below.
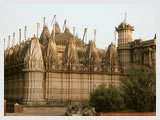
[106,99]
[138,88]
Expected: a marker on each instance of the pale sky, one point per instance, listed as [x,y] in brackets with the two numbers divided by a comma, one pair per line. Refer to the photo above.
[102,16]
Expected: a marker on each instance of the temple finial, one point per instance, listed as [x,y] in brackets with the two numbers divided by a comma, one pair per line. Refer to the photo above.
[95,35]
[115,36]
[125,19]
[53,20]
[155,36]
[38,26]
[9,41]
[19,35]
[44,21]
[74,31]
[4,43]
[25,33]
[13,42]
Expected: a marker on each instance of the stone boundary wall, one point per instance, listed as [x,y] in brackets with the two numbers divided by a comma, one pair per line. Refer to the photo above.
[14,86]
[75,86]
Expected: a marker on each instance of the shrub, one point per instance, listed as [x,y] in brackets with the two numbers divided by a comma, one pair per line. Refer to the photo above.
[106,99]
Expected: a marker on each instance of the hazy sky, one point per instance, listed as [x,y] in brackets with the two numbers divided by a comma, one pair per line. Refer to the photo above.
[102,16]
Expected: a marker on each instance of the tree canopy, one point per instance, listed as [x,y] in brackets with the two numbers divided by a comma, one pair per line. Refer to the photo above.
[139,89]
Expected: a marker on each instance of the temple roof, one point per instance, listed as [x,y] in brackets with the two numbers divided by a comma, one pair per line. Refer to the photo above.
[62,38]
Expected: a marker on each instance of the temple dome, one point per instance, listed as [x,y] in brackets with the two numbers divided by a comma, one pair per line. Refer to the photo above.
[62,39]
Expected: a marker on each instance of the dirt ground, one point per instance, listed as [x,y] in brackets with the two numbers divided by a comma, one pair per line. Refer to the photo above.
[36,114]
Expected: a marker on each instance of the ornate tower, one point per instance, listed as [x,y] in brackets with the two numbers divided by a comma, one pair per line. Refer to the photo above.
[124,44]
[33,74]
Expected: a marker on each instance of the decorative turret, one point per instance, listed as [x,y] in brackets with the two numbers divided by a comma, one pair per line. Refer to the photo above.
[70,54]
[111,59]
[92,57]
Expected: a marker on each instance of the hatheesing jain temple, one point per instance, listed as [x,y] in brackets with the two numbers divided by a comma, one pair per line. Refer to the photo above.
[59,67]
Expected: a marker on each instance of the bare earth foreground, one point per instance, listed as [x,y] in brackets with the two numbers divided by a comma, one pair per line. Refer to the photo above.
[40,111]
[58,113]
